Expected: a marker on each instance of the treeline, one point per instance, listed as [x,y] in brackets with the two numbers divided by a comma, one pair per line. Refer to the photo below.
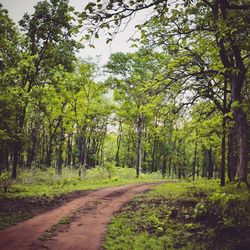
[173,106]
[176,130]
[207,45]
[53,111]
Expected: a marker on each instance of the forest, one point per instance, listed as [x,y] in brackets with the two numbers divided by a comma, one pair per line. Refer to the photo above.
[174,112]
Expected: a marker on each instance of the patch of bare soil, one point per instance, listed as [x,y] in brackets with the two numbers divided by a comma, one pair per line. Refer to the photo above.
[88,216]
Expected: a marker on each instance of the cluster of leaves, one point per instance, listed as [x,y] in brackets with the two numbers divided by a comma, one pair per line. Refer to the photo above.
[206,43]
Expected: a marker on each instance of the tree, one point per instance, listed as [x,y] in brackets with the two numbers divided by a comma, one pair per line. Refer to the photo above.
[224,21]
[47,43]
[136,76]
[10,94]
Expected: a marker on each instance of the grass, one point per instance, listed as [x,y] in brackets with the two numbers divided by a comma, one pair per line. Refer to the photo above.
[50,233]
[48,184]
[184,215]
[11,218]
[38,191]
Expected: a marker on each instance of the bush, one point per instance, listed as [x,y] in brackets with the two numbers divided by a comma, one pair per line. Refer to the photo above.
[5,180]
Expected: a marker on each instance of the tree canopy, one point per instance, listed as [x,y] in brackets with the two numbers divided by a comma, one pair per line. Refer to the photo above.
[179,104]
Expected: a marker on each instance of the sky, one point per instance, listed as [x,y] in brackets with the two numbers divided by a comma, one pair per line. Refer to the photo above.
[102,51]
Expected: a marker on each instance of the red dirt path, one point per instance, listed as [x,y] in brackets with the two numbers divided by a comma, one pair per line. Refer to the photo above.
[85,233]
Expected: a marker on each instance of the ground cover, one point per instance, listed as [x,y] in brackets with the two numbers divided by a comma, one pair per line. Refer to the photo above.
[185,215]
[37,192]
[78,224]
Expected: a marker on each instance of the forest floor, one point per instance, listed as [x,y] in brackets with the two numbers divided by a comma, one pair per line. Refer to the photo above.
[74,221]
[184,215]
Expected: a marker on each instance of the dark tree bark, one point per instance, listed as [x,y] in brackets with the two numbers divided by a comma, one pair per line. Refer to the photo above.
[171,156]
[178,164]
[49,152]
[144,161]
[164,166]
[231,153]
[139,145]
[15,159]
[4,156]
[232,60]
[118,142]
[82,146]
[223,153]
[205,163]
[2,146]
[69,150]
[210,167]
[59,160]
[241,119]
[194,161]
[223,140]
[153,163]
[80,149]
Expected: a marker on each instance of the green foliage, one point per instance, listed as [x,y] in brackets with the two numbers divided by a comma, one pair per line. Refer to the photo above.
[5,180]
[200,210]
[9,218]
[47,183]
[55,111]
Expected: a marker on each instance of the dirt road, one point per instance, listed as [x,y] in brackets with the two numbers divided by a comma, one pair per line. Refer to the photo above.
[86,231]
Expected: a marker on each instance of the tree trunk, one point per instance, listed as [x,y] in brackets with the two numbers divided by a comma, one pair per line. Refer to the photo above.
[139,145]
[231,58]
[69,150]
[164,166]
[15,159]
[231,153]
[210,167]
[118,142]
[195,160]
[171,156]
[49,153]
[2,146]
[153,163]
[241,125]
[204,172]
[223,139]
[4,157]
[17,144]
[59,160]
[241,120]
[223,153]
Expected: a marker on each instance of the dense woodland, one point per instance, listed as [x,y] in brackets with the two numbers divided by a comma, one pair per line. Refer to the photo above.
[180,104]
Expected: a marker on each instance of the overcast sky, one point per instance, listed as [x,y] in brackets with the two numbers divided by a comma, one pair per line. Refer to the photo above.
[17,8]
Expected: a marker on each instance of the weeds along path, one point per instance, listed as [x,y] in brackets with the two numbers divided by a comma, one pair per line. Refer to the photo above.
[79,224]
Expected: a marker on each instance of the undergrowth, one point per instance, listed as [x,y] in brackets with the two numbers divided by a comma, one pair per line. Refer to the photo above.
[46,183]
[37,191]
[184,215]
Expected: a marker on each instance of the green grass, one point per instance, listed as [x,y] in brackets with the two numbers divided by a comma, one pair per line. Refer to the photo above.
[48,184]
[50,233]
[11,218]
[37,191]
[183,215]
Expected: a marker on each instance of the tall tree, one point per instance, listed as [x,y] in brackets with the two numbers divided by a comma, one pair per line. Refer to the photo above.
[47,43]
[223,20]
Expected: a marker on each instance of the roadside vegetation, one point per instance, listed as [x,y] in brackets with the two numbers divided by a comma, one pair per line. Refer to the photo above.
[35,192]
[184,215]
[47,183]
[177,107]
